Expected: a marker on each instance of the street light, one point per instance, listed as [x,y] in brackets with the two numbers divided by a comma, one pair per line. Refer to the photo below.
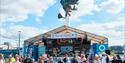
[19,38]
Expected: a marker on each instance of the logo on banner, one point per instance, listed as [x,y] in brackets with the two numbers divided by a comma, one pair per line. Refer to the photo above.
[99,48]
[102,48]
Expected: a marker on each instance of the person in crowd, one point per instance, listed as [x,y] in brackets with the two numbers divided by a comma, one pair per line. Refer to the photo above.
[10,61]
[17,60]
[90,58]
[114,60]
[74,60]
[66,59]
[28,60]
[49,60]
[1,58]
[83,58]
[124,61]
[45,58]
[118,59]
[38,59]
[60,61]
[97,59]
[21,59]
[78,58]
[11,58]
[103,58]
[41,60]
[109,58]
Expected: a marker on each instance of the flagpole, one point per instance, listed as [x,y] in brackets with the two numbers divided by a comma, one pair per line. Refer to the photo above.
[67,22]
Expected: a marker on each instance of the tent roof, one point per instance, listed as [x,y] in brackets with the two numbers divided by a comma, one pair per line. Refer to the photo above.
[92,36]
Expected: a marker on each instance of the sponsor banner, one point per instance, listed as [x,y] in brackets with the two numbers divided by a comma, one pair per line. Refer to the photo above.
[99,48]
[71,35]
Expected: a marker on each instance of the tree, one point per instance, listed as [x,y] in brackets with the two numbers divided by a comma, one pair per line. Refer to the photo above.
[8,44]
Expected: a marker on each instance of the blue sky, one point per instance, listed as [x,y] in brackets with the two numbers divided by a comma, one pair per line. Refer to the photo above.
[34,17]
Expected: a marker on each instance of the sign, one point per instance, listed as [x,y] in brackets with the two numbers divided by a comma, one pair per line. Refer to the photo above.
[31,51]
[25,50]
[102,47]
[14,51]
[41,50]
[21,51]
[66,48]
[72,35]
[99,48]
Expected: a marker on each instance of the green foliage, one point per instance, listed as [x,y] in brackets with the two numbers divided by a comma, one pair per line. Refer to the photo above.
[116,49]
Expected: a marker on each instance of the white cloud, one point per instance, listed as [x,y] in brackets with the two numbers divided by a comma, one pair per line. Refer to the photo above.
[86,7]
[11,34]
[113,6]
[18,10]
[114,30]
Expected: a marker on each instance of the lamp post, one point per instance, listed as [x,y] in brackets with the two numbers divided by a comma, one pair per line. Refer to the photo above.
[124,50]
[19,39]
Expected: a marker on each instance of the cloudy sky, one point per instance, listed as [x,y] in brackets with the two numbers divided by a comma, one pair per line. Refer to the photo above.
[34,17]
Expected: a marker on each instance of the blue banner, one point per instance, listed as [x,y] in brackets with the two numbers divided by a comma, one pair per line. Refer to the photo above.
[35,52]
[99,48]
[8,52]
[21,52]
[41,50]
[25,50]
[66,48]
[31,51]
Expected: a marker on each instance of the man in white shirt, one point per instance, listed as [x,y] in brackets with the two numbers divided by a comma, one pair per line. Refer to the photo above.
[103,58]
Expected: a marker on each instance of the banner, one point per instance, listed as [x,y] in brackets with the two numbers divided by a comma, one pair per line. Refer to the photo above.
[21,51]
[71,35]
[25,50]
[99,48]
[41,50]
[66,48]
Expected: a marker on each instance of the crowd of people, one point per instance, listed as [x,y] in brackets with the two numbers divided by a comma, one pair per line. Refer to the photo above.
[82,58]
[79,58]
